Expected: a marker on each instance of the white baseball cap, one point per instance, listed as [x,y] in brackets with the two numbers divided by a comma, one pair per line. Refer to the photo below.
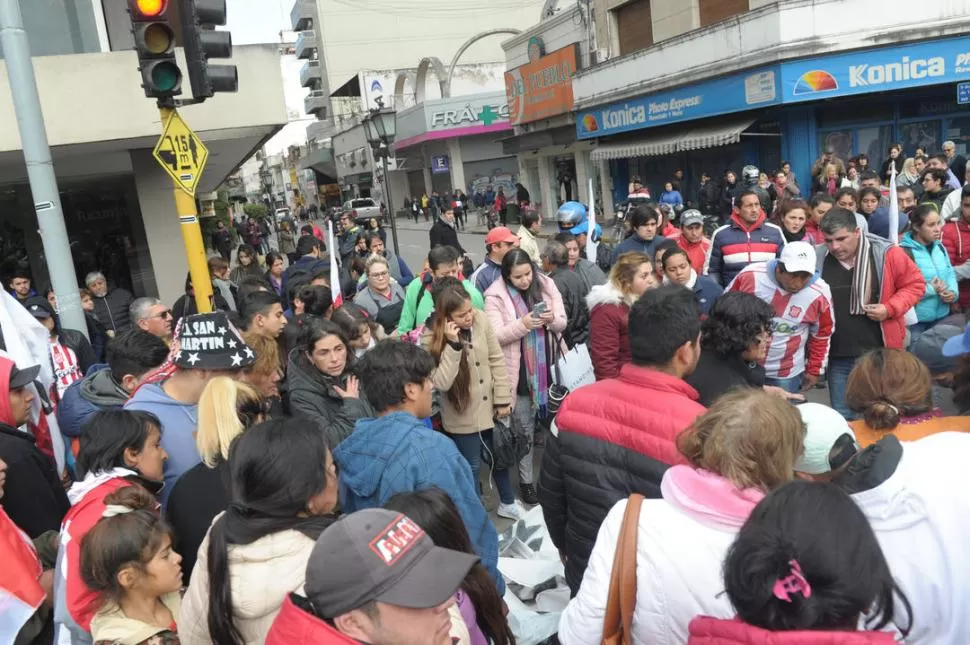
[798,257]
[829,441]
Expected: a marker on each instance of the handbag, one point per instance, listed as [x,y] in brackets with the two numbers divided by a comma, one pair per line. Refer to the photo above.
[557,391]
[618,621]
[576,367]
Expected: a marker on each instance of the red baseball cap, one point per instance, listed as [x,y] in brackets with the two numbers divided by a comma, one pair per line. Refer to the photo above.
[500,234]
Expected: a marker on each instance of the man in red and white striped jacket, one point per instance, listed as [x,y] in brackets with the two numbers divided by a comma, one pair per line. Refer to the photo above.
[802,303]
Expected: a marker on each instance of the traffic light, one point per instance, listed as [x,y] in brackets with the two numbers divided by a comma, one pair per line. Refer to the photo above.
[155,44]
[202,42]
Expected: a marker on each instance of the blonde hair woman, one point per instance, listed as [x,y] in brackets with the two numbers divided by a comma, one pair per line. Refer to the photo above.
[226,408]
[742,449]
[609,309]
[265,374]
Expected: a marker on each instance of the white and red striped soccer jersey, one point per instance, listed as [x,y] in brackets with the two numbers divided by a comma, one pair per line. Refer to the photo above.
[803,318]
[67,369]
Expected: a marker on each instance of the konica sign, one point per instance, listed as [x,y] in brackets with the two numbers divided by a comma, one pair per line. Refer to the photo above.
[756,88]
[877,70]
[931,62]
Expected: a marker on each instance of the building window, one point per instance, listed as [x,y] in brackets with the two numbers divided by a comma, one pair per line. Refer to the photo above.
[634,26]
[712,11]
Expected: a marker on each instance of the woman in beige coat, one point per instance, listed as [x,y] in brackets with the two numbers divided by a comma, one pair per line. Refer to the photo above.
[472,379]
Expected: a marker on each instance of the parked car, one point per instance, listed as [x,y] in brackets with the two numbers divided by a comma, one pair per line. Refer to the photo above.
[363,209]
[283,213]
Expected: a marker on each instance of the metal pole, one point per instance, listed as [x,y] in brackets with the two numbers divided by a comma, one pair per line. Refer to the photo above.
[192,238]
[390,205]
[40,168]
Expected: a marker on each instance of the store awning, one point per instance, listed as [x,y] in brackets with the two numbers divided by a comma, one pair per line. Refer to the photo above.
[708,136]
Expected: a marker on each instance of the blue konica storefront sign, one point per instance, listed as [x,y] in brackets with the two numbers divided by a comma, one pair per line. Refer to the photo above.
[877,70]
[736,93]
[866,71]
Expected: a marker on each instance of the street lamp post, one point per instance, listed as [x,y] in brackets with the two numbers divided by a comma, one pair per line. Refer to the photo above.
[380,127]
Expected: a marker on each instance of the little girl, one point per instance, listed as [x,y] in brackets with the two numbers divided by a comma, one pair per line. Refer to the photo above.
[362,332]
[127,558]
[477,599]
[806,569]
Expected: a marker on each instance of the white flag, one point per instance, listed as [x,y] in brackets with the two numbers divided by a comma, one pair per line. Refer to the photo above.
[335,293]
[893,209]
[591,245]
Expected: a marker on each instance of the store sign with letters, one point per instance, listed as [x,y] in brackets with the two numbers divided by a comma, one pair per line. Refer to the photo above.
[754,89]
[877,70]
[542,88]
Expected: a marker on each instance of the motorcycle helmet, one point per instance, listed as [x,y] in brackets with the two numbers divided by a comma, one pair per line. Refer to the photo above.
[572,217]
[750,174]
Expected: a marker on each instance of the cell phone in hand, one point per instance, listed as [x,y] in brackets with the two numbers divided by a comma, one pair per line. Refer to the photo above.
[538,310]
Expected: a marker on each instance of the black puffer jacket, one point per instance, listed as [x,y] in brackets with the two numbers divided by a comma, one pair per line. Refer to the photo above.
[615,437]
[573,290]
[76,342]
[311,394]
[112,310]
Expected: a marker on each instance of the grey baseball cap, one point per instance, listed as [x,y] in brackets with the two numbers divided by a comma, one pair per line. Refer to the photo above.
[691,217]
[380,555]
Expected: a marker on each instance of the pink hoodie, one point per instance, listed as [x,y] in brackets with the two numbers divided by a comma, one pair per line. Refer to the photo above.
[710,499]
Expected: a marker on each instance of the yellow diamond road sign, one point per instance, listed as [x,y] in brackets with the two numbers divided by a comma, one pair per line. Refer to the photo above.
[181,153]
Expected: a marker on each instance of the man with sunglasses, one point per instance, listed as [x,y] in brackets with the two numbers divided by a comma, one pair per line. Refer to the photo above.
[151,315]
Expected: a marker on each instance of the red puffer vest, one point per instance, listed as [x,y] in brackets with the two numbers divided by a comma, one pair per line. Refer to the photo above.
[706,630]
[293,626]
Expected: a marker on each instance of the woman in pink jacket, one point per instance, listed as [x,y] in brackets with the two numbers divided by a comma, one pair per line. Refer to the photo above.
[523,307]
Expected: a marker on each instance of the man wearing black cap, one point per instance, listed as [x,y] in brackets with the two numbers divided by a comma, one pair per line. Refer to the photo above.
[374,577]
[34,497]
[207,346]
[71,353]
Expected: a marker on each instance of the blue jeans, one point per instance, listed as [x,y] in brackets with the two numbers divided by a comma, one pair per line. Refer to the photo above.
[791,384]
[838,374]
[470,446]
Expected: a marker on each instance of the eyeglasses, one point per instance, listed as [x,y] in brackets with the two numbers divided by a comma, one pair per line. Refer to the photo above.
[381,274]
[164,314]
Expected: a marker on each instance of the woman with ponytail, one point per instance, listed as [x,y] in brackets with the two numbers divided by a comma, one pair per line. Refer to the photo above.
[806,569]
[284,490]
[128,559]
[226,409]
[891,391]
[477,599]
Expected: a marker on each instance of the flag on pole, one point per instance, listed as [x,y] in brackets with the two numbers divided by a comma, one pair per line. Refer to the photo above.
[20,590]
[893,209]
[335,292]
[591,242]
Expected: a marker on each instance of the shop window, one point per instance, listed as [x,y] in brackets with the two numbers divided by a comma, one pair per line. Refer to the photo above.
[874,142]
[634,24]
[927,107]
[958,131]
[712,11]
[921,134]
[832,116]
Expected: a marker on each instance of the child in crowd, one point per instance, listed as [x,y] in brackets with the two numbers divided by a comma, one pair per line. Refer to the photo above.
[477,600]
[361,331]
[807,563]
[118,449]
[128,558]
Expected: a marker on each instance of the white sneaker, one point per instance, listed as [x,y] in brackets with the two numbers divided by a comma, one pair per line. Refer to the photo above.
[509,511]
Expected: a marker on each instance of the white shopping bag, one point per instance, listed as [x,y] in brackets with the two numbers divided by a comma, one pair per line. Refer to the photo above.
[576,368]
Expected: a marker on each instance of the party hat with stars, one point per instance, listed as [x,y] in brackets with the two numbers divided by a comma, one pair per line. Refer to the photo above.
[211,342]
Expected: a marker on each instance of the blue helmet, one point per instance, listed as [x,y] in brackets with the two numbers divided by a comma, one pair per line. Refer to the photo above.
[572,217]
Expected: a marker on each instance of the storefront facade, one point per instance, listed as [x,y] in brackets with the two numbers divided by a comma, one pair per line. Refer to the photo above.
[857,101]
[447,144]
[541,63]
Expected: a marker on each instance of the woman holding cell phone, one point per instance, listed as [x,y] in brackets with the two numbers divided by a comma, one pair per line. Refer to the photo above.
[523,307]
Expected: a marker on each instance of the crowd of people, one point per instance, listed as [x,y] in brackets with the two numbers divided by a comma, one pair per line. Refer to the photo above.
[310,462]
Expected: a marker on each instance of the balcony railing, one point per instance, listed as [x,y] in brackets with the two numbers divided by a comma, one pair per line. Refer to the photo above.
[306,44]
[315,103]
[303,15]
[310,75]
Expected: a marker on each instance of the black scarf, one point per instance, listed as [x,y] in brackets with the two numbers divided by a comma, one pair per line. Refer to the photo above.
[793,237]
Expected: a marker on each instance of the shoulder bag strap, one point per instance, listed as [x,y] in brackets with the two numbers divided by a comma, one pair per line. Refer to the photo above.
[618,621]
